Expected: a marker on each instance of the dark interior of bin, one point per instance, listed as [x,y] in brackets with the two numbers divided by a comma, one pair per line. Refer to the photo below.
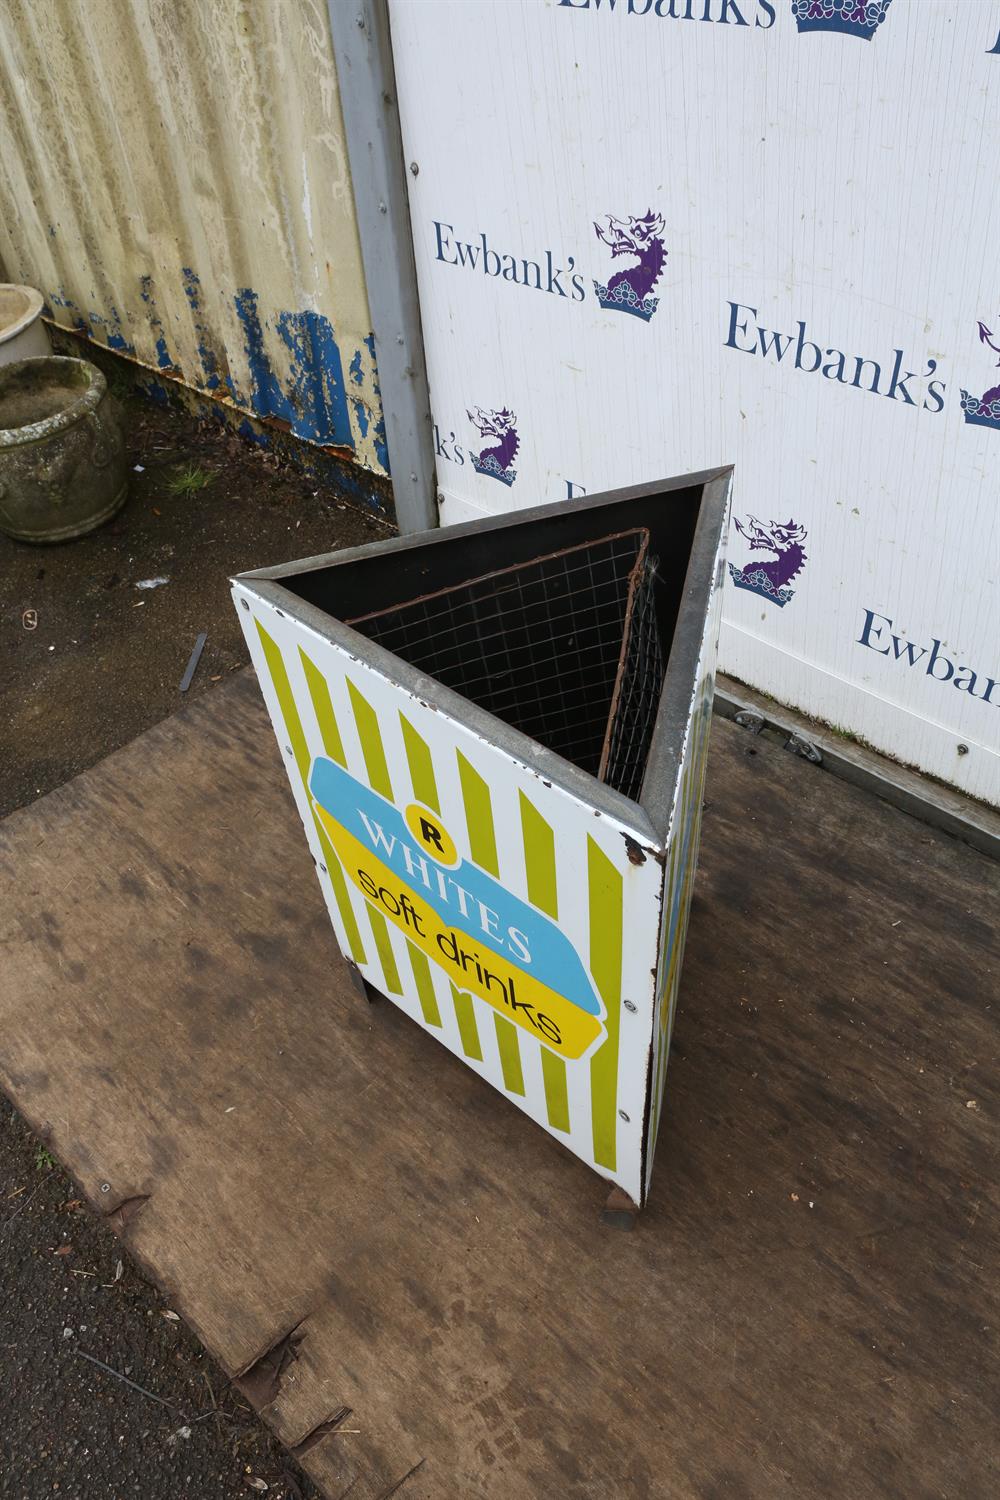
[563,647]
[560,627]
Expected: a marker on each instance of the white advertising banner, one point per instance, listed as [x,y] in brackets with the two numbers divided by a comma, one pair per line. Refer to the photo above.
[659,235]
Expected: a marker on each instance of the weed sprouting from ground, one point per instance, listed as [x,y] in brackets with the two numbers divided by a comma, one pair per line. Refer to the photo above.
[44,1160]
[187,481]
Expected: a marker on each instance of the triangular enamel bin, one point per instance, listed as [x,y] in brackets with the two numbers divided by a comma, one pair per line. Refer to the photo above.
[496,737]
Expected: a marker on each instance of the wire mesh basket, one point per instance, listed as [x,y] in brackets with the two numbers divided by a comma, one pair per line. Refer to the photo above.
[563,647]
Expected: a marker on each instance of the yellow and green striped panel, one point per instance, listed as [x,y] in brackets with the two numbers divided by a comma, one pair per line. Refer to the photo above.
[383,947]
[478,816]
[510,1055]
[604,887]
[341,894]
[468,1031]
[370,735]
[422,779]
[478,806]
[424,982]
[323,709]
[421,766]
[377,769]
[540,868]
[300,752]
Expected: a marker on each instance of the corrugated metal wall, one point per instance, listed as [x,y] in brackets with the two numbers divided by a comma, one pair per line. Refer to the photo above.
[174,179]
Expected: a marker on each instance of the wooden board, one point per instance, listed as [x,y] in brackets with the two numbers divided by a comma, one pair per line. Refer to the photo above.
[808,1307]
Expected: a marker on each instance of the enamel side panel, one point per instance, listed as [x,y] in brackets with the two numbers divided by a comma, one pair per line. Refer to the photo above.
[683,841]
[500,912]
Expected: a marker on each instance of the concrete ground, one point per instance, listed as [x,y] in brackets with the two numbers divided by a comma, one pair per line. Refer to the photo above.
[103,1392]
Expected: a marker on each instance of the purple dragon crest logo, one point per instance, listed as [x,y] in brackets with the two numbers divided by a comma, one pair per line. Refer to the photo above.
[771,579]
[629,290]
[984,410]
[850,17]
[496,458]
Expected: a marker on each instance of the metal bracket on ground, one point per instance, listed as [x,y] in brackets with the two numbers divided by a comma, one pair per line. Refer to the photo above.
[923,798]
[799,745]
[749,718]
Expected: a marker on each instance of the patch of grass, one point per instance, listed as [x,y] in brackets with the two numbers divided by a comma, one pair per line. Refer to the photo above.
[44,1160]
[186,481]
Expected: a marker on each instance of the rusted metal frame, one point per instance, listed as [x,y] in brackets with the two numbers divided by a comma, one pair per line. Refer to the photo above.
[529,562]
[544,763]
[638,569]
[636,575]
[647,818]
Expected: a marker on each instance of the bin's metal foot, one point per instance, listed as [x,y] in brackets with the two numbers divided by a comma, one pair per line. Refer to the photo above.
[365,990]
[620,1211]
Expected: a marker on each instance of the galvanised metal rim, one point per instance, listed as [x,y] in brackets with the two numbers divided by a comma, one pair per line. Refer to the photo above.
[81,406]
[648,816]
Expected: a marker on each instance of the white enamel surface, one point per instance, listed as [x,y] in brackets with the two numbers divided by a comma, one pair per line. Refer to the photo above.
[843,182]
[572,822]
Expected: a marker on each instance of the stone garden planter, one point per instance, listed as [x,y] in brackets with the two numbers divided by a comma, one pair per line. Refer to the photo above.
[23,335]
[62,456]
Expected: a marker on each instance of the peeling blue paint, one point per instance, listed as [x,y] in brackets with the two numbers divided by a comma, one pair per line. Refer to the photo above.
[102,328]
[318,395]
[317,376]
[381,445]
[113,336]
[361,415]
[315,406]
[59,299]
[146,292]
[268,399]
[92,324]
[206,353]
[253,434]
[155,390]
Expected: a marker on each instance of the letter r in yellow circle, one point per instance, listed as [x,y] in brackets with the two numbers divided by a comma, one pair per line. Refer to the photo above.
[431,834]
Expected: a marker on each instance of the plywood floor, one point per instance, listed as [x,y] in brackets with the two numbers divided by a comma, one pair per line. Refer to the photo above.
[809,1306]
